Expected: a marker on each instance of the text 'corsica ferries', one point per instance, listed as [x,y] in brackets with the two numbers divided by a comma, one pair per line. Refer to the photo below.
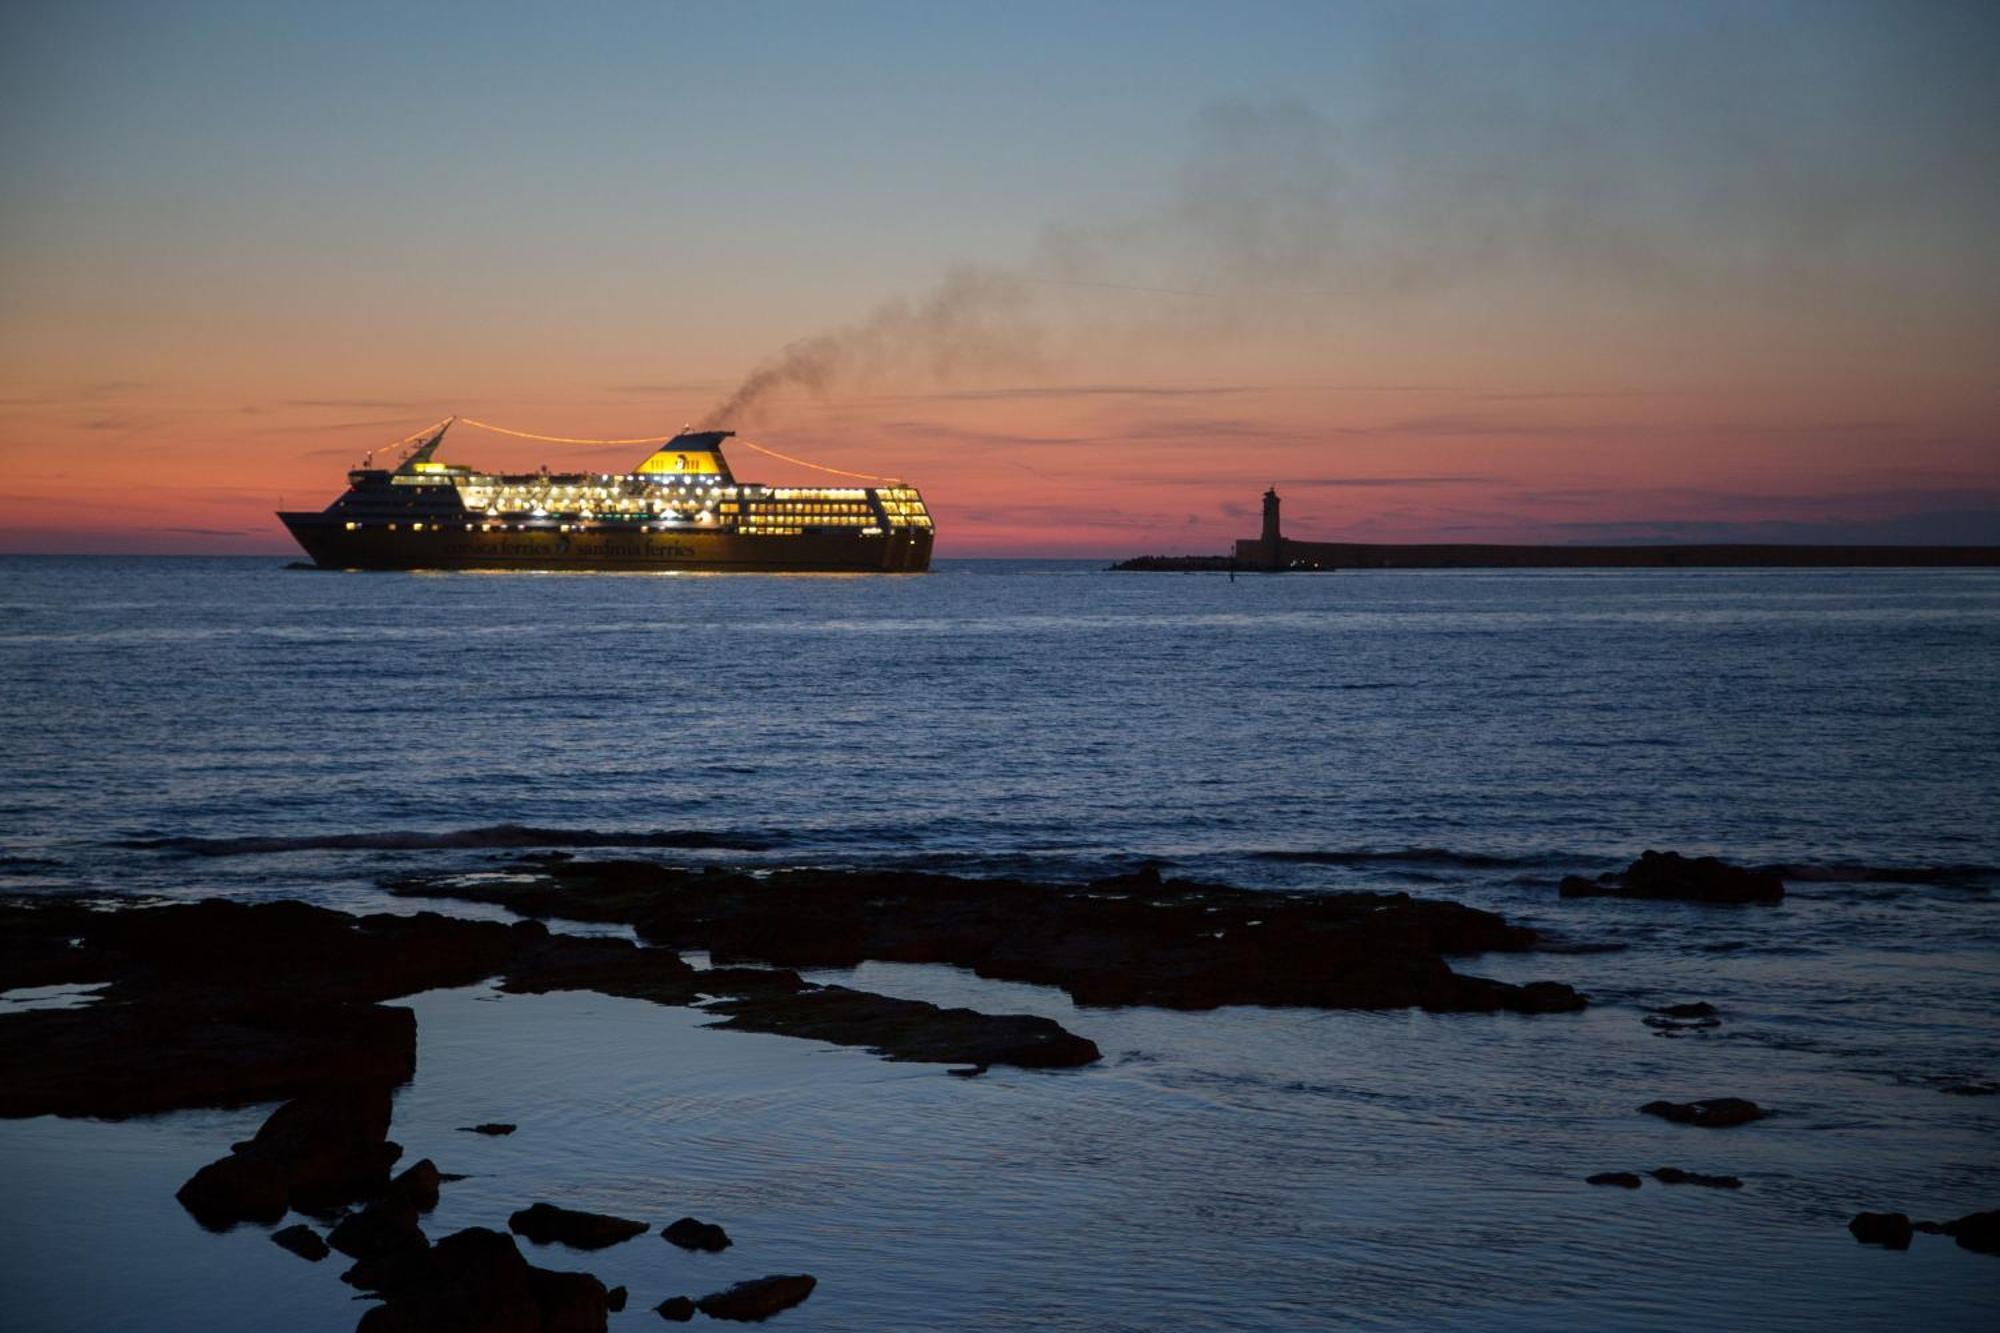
[680,509]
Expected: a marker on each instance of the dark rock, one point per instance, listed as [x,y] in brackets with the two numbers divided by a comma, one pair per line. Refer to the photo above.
[490,1127]
[690,1234]
[1699,1009]
[475,1281]
[909,1029]
[1970,1089]
[614,1299]
[1713,1113]
[117,1059]
[569,1302]
[1622,1179]
[1669,875]
[312,1153]
[385,1227]
[1132,940]
[222,1004]
[1673,1175]
[545,1222]
[1890,1230]
[1979,1232]
[390,1270]
[1929,1228]
[303,1241]
[759,1298]
[970,1071]
[418,1185]
[675,1309]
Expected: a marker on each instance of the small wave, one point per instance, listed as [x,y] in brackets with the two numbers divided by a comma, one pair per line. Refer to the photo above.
[1434,856]
[1841,872]
[495,835]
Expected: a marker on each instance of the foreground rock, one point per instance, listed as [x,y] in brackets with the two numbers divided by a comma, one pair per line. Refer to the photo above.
[1979,1232]
[1889,1230]
[1713,1113]
[313,1153]
[690,1234]
[303,1241]
[676,1309]
[1669,875]
[476,1279]
[910,1029]
[759,1298]
[221,1004]
[545,1222]
[1137,939]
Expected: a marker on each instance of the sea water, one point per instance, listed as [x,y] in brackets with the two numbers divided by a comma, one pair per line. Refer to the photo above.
[182,728]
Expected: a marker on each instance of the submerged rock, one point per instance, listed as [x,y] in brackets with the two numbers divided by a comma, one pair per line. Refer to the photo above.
[303,1241]
[1673,1175]
[1713,1113]
[1669,875]
[1889,1230]
[690,1234]
[493,1127]
[759,1298]
[545,1222]
[1622,1179]
[675,1309]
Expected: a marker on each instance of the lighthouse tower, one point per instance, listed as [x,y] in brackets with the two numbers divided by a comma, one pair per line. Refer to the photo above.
[1272,541]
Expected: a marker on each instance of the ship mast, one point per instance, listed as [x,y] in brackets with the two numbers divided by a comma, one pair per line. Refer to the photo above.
[422,453]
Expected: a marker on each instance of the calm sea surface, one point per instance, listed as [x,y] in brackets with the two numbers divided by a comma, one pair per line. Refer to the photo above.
[190,727]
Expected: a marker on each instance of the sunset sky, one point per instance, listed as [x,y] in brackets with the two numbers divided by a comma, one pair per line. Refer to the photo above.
[1090,275]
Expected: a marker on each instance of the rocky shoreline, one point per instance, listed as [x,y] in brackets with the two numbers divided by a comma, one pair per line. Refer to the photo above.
[218,1004]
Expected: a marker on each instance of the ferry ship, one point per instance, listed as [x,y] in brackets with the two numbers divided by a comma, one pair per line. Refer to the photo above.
[680,509]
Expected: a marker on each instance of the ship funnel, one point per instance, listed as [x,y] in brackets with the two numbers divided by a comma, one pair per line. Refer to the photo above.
[692,453]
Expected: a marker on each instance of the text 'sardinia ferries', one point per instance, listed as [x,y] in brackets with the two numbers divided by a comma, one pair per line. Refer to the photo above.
[679,509]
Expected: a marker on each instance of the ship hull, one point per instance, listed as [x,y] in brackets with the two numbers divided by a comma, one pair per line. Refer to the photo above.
[332,545]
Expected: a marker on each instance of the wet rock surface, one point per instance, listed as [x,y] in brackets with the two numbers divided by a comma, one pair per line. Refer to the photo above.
[1978,1232]
[910,1029]
[691,1234]
[545,1222]
[1669,875]
[1136,939]
[303,1241]
[1711,1113]
[759,1298]
[1622,1179]
[1889,1230]
[676,1309]
[312,1153]
[491,1127]
[476,1279]
[220,1004]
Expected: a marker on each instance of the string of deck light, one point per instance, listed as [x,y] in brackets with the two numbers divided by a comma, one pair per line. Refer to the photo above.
[649,439]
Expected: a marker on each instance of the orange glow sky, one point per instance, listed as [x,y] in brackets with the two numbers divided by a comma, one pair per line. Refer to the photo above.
[1547,272]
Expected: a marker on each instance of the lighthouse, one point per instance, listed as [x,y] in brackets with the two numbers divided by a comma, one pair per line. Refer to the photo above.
[1272,541]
